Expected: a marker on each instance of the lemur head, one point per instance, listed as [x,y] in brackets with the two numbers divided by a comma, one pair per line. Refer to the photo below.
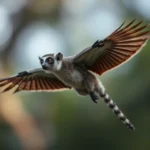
[51,62]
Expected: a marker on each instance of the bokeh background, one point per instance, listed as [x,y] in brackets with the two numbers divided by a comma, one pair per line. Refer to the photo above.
[63,120]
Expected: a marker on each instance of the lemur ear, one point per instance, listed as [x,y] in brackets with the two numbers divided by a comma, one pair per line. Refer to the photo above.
[40,58]
[59,56]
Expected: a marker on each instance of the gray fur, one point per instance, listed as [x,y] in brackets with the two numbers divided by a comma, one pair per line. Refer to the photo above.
[84,82]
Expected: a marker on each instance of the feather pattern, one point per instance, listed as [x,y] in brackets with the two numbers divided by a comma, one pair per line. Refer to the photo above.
[117,48]
[33,80]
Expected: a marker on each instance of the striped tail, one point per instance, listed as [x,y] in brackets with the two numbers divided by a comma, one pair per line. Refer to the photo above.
[117,111]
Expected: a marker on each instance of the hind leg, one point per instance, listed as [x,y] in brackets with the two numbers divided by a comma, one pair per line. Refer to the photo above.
[98,90]
[82,92]
[90,85]
[94,96]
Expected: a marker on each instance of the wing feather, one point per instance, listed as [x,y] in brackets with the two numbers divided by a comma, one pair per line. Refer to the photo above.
[33,85]
[19,86]
[33,80]
[116,49]
[12,85]
[44,84]
[40,83]
[27,86]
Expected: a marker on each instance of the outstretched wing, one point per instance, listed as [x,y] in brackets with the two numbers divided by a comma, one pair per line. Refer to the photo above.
[114,50]
[33,80]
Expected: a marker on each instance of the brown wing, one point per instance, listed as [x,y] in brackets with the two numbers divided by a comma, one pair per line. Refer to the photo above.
[33,80]
[116,49]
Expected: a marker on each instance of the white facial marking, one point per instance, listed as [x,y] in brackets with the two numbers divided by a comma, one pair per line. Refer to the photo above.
[44,59]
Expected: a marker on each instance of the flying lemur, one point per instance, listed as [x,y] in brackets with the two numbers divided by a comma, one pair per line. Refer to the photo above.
[78,72]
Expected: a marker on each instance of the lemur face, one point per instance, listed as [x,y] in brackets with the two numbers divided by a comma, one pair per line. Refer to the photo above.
[51,62]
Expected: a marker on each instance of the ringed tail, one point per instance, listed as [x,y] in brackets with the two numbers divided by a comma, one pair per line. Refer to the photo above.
[110,103]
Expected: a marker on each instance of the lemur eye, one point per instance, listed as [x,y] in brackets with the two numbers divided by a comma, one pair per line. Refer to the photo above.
[50,60]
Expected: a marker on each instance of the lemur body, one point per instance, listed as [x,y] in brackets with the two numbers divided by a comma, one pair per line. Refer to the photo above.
[75,76]
[82,80]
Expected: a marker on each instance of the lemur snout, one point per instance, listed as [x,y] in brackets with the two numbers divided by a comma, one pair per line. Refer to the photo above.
[44,67]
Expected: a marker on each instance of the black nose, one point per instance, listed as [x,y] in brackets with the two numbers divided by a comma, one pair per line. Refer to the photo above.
[44,67]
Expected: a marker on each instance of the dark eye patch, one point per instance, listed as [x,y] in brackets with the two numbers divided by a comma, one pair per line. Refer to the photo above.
[50,60]
[41,61]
